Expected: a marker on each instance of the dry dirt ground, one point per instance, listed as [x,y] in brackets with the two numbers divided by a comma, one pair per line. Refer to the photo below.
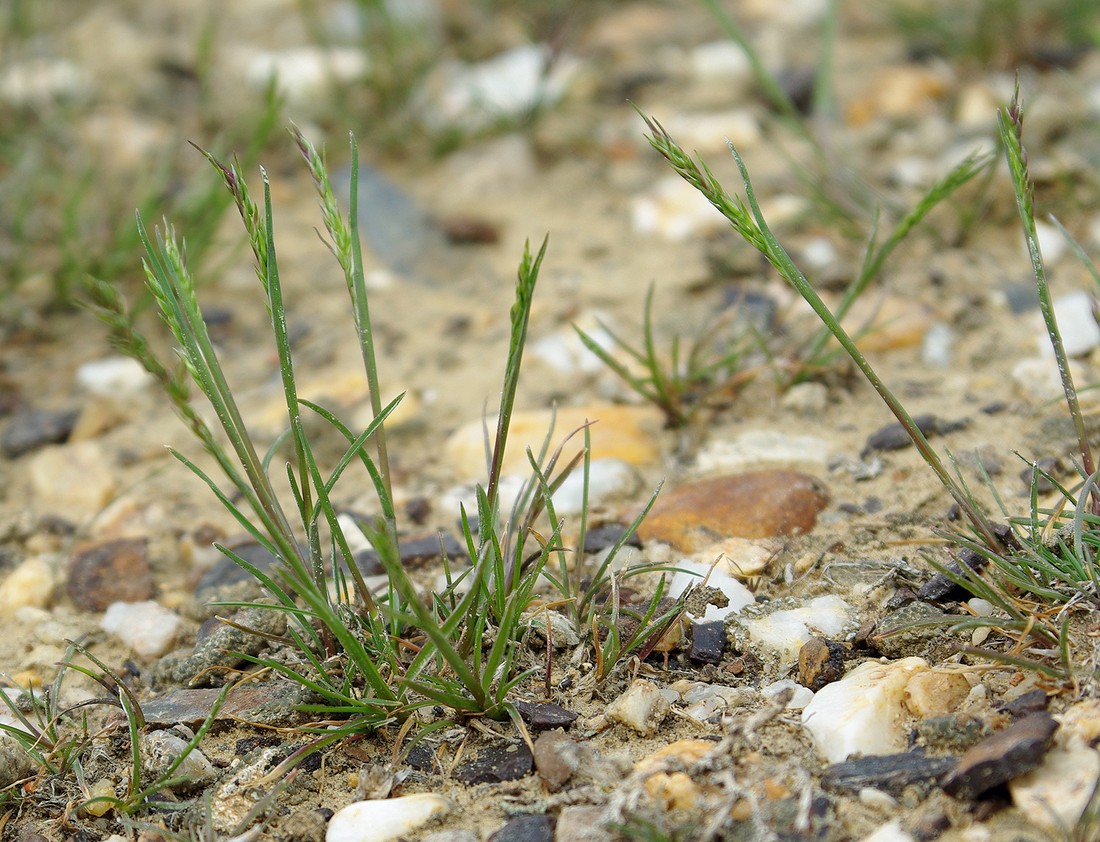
[904,113]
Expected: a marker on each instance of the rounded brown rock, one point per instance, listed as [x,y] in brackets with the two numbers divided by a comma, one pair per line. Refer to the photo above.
[761,504]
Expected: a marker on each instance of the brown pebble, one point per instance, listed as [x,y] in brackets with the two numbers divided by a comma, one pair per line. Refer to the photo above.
[762,504]
[997,759]
[820,662]
[109,571]
[557,757]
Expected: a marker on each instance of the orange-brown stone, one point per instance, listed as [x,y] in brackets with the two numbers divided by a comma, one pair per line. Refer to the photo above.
[762,504]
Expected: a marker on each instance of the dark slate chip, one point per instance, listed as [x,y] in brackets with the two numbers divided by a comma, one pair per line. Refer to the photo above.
[1034,701]
[423,759]
[34,428]
[545,715]
[526,829]
[415,551]
[503,761]
[891,773]
[708,642]
[940,588]
[998,759]
[607,535]
[894,437]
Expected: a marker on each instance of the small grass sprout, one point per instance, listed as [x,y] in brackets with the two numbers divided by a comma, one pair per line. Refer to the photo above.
[709,375]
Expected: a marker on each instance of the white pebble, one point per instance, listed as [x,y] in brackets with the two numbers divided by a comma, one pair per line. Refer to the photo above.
[806,399]
[935,348]
[819,253]
[801,698]
[641,708]
[691,573]
[383,819]
[712,132]
[1055,795]
[721,61]
[160,749]
[674,210]
[1076,322]
[563,350]
[607,479]
[147,627]
[112,376]
[980,607]
[1052,244]
[785,631]
[38,82]
[509,85]
[759,448]
[877,798]
[890,832]
[303,74]
[862,712]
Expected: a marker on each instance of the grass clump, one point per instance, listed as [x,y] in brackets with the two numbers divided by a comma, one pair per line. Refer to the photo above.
[372,658]
[1046,557]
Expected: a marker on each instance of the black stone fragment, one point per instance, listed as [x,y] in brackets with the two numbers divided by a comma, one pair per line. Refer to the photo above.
[891,773]
[543,715]
[34,428]
[998,759]
[894,437]
[1034,701]
[526,829]
[607,535]
[940,588]
[497,762]
[225,572]
[708,642]
[415,551]
[423,759]
[1048,466]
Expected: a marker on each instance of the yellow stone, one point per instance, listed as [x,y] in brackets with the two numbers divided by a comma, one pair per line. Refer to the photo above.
[935,693]
[629,433]
[72,479]
[673,791]
[887,323]
[685,752]
[31,583]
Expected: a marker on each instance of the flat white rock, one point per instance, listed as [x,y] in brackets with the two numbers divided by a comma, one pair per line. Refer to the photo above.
[1055,795]
[763,448]
[1076,322]
[641,708]
[383,819]
[890,832]
[508,85]
[785,631]
[111,376]
[147,627]
[863,712]
[722,576]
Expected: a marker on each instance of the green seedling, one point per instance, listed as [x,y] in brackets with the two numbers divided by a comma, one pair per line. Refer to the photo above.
[61,747]
[708,376]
